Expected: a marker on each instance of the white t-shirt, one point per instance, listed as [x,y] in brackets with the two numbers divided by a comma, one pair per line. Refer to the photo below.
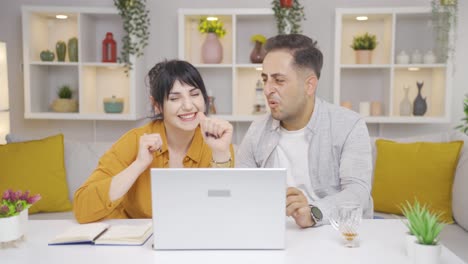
[292,153]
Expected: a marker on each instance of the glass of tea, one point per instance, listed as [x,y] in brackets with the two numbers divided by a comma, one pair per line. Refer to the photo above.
[346,218]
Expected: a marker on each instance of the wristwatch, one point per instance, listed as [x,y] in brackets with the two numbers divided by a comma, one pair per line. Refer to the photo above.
[316,214]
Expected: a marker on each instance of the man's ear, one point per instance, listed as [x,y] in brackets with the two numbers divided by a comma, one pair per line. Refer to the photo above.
[311,84]
[156,106]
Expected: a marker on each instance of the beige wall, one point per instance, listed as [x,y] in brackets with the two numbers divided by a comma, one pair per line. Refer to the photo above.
[163,44]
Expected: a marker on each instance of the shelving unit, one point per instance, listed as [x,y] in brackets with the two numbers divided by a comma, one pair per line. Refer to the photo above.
[90,79]
[382,81]
[235,75]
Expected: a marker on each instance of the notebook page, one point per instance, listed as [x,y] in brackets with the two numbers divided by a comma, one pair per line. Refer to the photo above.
[83,232]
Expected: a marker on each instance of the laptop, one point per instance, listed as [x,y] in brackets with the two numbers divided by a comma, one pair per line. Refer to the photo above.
[215,208]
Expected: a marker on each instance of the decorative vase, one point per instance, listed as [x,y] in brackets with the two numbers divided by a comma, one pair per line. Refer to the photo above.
[402,58]
[47,55]
[73,49]
[212,50]
[212,106]
[426,254]
[63,105]
[363,56]
[14,227]
[60,49]
[113,105]
[109,48]
[416,57]
[258,53]
[405,104]
[376,108]
[429,57]
[419,105]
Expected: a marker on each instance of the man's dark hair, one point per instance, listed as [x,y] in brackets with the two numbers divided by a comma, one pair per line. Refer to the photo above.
[303,49]
[163,76]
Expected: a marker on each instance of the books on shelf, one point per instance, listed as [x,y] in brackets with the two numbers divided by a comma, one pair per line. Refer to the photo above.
[105,234]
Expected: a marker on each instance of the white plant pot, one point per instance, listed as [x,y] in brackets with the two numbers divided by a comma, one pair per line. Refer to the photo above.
[13,228]
[410,240]
[426,254]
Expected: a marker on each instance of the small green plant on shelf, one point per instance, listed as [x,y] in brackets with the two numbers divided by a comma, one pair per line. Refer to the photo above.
[364,42]
[65,92]
[422,223]
[464,125]
[211,26]
[136,23]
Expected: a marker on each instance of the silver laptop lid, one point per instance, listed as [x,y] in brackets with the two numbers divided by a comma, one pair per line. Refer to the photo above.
[219,208]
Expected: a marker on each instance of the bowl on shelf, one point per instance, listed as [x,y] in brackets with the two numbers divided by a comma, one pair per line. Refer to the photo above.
[113,105]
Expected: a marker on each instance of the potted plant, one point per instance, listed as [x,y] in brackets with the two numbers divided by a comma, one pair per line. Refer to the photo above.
[464,126]
[426,227]
[444,24]
[364,45]
[212,50]
[288,15]
[258,52]
[14,214]
[64,103]
[135,24]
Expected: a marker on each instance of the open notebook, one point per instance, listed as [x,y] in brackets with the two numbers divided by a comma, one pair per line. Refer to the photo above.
[105,234]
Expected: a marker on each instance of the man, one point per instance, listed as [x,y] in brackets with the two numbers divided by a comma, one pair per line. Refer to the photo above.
[326,148]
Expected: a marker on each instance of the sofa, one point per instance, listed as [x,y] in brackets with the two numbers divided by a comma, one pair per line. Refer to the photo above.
[81,158]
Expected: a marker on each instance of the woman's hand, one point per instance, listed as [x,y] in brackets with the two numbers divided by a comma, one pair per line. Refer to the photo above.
[149,143]
[217,134]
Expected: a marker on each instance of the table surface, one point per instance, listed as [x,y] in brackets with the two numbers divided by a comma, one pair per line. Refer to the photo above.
[381,241]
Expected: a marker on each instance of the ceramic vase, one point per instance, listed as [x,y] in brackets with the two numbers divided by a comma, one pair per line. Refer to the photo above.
[420,104]
[73,49]
[212,50]
[14,227]
[363,56]
[405,104]
[60,49]
[258,53]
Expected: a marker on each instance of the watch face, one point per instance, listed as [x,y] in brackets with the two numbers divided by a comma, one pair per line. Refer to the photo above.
[316,212]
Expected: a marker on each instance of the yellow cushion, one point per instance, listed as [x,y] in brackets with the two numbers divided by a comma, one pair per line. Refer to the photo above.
[37,166]
[422,170]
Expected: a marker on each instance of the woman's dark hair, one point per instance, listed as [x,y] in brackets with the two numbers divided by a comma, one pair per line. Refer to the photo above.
[303,49]
[163,76]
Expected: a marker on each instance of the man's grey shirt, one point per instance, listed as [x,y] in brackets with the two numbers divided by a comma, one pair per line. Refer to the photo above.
[340,158]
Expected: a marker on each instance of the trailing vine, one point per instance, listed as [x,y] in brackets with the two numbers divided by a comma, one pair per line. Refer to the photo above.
[288,20]
[135,23]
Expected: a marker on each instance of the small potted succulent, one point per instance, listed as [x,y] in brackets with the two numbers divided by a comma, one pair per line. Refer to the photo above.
[65,103]
[364,45]
[14,214]
[426,227]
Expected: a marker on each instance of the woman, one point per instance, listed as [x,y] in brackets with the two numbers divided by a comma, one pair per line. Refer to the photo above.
[180,136]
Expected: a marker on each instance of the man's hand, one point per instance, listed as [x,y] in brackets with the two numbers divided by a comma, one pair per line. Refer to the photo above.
[217,134]
[298,207]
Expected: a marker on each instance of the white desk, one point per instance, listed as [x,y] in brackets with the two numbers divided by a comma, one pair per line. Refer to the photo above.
[382,241]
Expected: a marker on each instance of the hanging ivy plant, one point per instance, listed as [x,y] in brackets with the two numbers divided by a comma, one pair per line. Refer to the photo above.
[444,23]
[135,23]
[288,17]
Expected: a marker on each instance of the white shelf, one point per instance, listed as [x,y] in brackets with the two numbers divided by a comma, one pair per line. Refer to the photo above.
[238,118]
[221,66]
[251,65]
[54,63]
[90,79]
[382,81]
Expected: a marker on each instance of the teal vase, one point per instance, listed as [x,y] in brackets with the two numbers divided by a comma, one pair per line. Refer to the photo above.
[60,49]
[73,50]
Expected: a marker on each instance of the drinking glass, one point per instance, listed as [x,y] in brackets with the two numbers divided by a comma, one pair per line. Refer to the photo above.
[346,218]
